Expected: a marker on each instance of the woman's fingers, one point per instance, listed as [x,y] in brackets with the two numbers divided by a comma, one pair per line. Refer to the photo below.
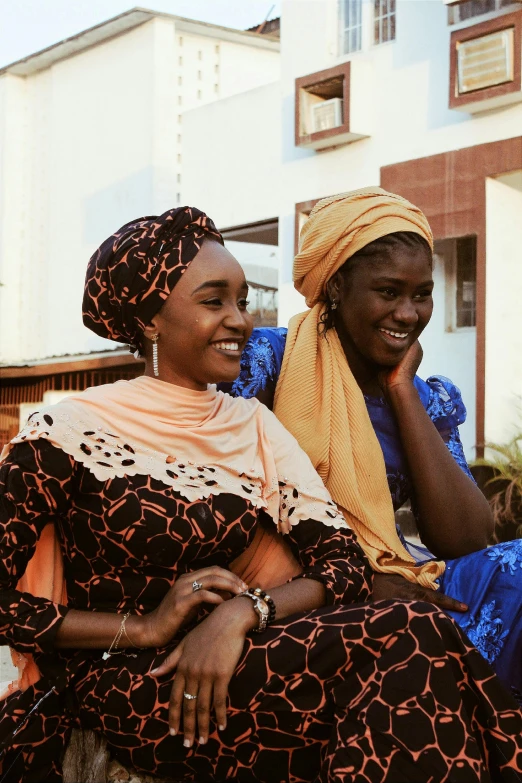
[218,577]
[190,698]
[445,602]
[176,703]
[203,706]
[169,664]
[220,703]
[215,578]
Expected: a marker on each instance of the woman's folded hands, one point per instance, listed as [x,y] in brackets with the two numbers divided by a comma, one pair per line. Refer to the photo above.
[182,603]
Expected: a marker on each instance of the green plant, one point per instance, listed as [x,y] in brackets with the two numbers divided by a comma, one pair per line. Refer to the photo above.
[504,486]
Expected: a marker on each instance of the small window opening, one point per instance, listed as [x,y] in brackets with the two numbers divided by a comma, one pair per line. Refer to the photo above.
[322,106]
[460,264]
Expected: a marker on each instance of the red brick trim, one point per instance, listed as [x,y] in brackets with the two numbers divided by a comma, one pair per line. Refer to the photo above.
[451,189]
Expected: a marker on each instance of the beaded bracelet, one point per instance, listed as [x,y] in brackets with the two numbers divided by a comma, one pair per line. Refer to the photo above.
[264,607]
[269,601]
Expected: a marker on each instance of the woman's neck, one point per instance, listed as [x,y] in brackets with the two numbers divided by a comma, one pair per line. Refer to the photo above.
[364,371]
[167,375]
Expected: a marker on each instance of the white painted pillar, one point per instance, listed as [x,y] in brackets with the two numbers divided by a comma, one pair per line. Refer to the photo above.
[503,408]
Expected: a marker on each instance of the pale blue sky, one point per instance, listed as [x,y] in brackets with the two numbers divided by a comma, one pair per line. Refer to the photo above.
[29,25]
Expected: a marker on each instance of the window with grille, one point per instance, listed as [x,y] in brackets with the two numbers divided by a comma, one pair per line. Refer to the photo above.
[384,21]
[471,8]
[350,26]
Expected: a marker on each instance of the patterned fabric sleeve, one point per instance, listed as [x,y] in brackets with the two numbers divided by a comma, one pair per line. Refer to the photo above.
[334,558]
[315,529]
[447,411]
[34,487]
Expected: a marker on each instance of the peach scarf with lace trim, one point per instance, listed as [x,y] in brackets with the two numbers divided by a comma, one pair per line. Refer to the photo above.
[200,443]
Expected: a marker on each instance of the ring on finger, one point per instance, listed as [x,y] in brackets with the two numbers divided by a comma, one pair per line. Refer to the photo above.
[189,696]
[196,586]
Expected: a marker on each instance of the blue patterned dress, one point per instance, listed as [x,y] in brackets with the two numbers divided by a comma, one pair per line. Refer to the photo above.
[488,581]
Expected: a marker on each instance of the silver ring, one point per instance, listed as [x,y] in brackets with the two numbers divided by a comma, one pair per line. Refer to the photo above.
[196,586]
[189,696]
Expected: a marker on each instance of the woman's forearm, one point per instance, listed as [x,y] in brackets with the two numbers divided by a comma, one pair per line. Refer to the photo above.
[81,630]
[454,516]
[97,630]
[300,595]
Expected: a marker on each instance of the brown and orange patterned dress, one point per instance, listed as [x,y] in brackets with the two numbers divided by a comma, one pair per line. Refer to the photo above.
[376,692]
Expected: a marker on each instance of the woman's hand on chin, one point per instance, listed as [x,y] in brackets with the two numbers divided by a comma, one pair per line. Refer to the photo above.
[182,603]
[393,586]
[403,373]
[204,662]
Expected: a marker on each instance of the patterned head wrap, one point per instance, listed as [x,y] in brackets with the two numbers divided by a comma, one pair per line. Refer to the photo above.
[341,225]
[133,272]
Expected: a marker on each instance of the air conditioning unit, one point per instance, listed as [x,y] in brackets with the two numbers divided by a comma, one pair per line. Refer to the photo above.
[485,61]
[327,115]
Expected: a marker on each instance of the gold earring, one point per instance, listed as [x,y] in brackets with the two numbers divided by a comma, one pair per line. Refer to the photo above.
[155,338]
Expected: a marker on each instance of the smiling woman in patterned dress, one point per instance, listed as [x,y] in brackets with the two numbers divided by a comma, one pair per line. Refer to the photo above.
[151,489]
[365,267]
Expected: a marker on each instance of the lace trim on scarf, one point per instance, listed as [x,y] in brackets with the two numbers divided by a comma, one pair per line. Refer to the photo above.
[108,455]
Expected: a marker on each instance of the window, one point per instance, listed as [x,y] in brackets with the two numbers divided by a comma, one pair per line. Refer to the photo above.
[350,26]
[485,64]
[180,80]
[471,8]
[461,283]
[323,107]
[200,55]
[199,94]
[216,48]
[179,157]
[178,198]
[180,60]
[200,75]
[180,41]
[384,21]
[485,61]
[180,100]
[216,88]
[216,68]
[179,138]
[178,178]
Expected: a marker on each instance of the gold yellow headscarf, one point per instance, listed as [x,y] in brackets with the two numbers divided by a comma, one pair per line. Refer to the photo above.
[317,397]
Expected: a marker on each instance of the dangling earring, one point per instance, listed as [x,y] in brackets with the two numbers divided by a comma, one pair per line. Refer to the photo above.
[155,338]
[333,305]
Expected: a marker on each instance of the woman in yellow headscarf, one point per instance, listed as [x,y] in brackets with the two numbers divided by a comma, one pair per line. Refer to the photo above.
[343,381]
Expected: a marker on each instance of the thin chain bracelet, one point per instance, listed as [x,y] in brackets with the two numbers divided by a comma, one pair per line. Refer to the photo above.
[113,649]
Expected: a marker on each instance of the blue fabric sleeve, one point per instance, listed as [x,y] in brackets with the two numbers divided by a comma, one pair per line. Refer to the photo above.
[446,409]
[260,361]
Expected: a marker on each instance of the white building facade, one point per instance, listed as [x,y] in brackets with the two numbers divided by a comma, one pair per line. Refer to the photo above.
[424,98]
[91,136]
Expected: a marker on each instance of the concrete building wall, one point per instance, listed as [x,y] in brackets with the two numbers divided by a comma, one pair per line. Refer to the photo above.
[87,144]
[407,102]
[233,156]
